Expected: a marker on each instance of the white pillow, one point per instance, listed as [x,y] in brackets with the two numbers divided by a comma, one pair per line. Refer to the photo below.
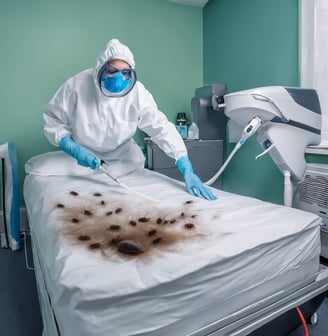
[55,163]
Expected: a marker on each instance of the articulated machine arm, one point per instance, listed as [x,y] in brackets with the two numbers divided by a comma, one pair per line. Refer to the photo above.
[290,120]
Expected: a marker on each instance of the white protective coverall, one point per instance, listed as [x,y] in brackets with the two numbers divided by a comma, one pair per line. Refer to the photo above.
[105,125]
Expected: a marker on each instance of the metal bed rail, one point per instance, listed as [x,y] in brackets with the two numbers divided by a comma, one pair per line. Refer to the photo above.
[255,316]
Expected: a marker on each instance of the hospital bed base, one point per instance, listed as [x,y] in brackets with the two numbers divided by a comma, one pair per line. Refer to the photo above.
[290,321]
[251,318]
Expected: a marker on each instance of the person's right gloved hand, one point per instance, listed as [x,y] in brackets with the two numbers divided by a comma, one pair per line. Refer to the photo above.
[83,156]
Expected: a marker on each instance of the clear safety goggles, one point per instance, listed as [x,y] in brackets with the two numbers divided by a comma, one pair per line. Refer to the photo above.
[127,77]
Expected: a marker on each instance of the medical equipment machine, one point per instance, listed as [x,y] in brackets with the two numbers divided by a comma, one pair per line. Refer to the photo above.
[10,223]
[207,101]
[286,119]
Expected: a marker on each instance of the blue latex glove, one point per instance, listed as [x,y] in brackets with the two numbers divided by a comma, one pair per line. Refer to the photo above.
[83,156]
[194,184]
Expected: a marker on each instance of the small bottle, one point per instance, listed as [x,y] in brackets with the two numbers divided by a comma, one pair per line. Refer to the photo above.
[181,125]
[193,132]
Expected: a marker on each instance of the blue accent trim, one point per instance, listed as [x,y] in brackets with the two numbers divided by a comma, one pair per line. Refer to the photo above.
[14,209]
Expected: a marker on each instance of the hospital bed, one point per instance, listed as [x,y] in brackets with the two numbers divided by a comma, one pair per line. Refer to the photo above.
[228,267]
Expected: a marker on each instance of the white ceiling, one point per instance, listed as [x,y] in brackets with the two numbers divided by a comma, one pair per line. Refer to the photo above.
[196,3]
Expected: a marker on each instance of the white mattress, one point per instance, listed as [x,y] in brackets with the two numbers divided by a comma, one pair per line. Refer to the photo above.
[241,250]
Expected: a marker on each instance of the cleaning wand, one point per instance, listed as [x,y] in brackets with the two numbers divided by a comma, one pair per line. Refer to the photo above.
[105,170]
[248,131]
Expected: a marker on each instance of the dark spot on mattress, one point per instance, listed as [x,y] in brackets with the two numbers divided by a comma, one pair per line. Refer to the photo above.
[84,238]
[193,216]
[157,240]
[189,202]
[133,223]
[102,203]
[74,193]
[75,220]
[129,247]
[109,213]
[143,219]
[115,227]
[172,221]
[182,214]
[59,205]
[118,210]
[94,246]
[88,213]
[166,221]
[152,232]
[159,221]
[189,226]
[97,194]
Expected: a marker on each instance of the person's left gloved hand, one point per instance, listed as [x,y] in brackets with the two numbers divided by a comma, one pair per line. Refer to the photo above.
[193,183]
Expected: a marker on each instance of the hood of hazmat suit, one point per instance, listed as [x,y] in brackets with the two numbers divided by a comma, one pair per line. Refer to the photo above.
[115,50]
[106,124]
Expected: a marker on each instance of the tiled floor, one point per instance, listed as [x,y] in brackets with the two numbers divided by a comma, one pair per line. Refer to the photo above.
[19,306]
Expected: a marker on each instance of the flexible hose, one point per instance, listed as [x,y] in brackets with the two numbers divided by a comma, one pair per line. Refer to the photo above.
[220,171]
[123,185]
[306,331]
[248,131]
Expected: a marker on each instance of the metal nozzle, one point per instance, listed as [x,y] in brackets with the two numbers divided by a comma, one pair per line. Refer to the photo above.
[105,171]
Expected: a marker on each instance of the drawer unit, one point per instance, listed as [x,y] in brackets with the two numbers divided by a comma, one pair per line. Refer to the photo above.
[206,157]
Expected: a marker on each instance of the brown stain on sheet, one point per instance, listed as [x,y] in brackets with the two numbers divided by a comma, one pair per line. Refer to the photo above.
[116,227]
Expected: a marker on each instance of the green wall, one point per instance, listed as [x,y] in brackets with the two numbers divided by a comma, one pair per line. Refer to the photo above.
[44,42]
[249,44]
[177,48]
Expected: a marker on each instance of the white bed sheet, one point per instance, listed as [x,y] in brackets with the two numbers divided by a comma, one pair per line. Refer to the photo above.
[247,247]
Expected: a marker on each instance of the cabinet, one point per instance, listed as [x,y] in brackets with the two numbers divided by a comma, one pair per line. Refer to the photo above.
[206,157]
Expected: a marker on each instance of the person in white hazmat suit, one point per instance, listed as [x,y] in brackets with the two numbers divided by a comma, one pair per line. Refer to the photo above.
[95,114]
